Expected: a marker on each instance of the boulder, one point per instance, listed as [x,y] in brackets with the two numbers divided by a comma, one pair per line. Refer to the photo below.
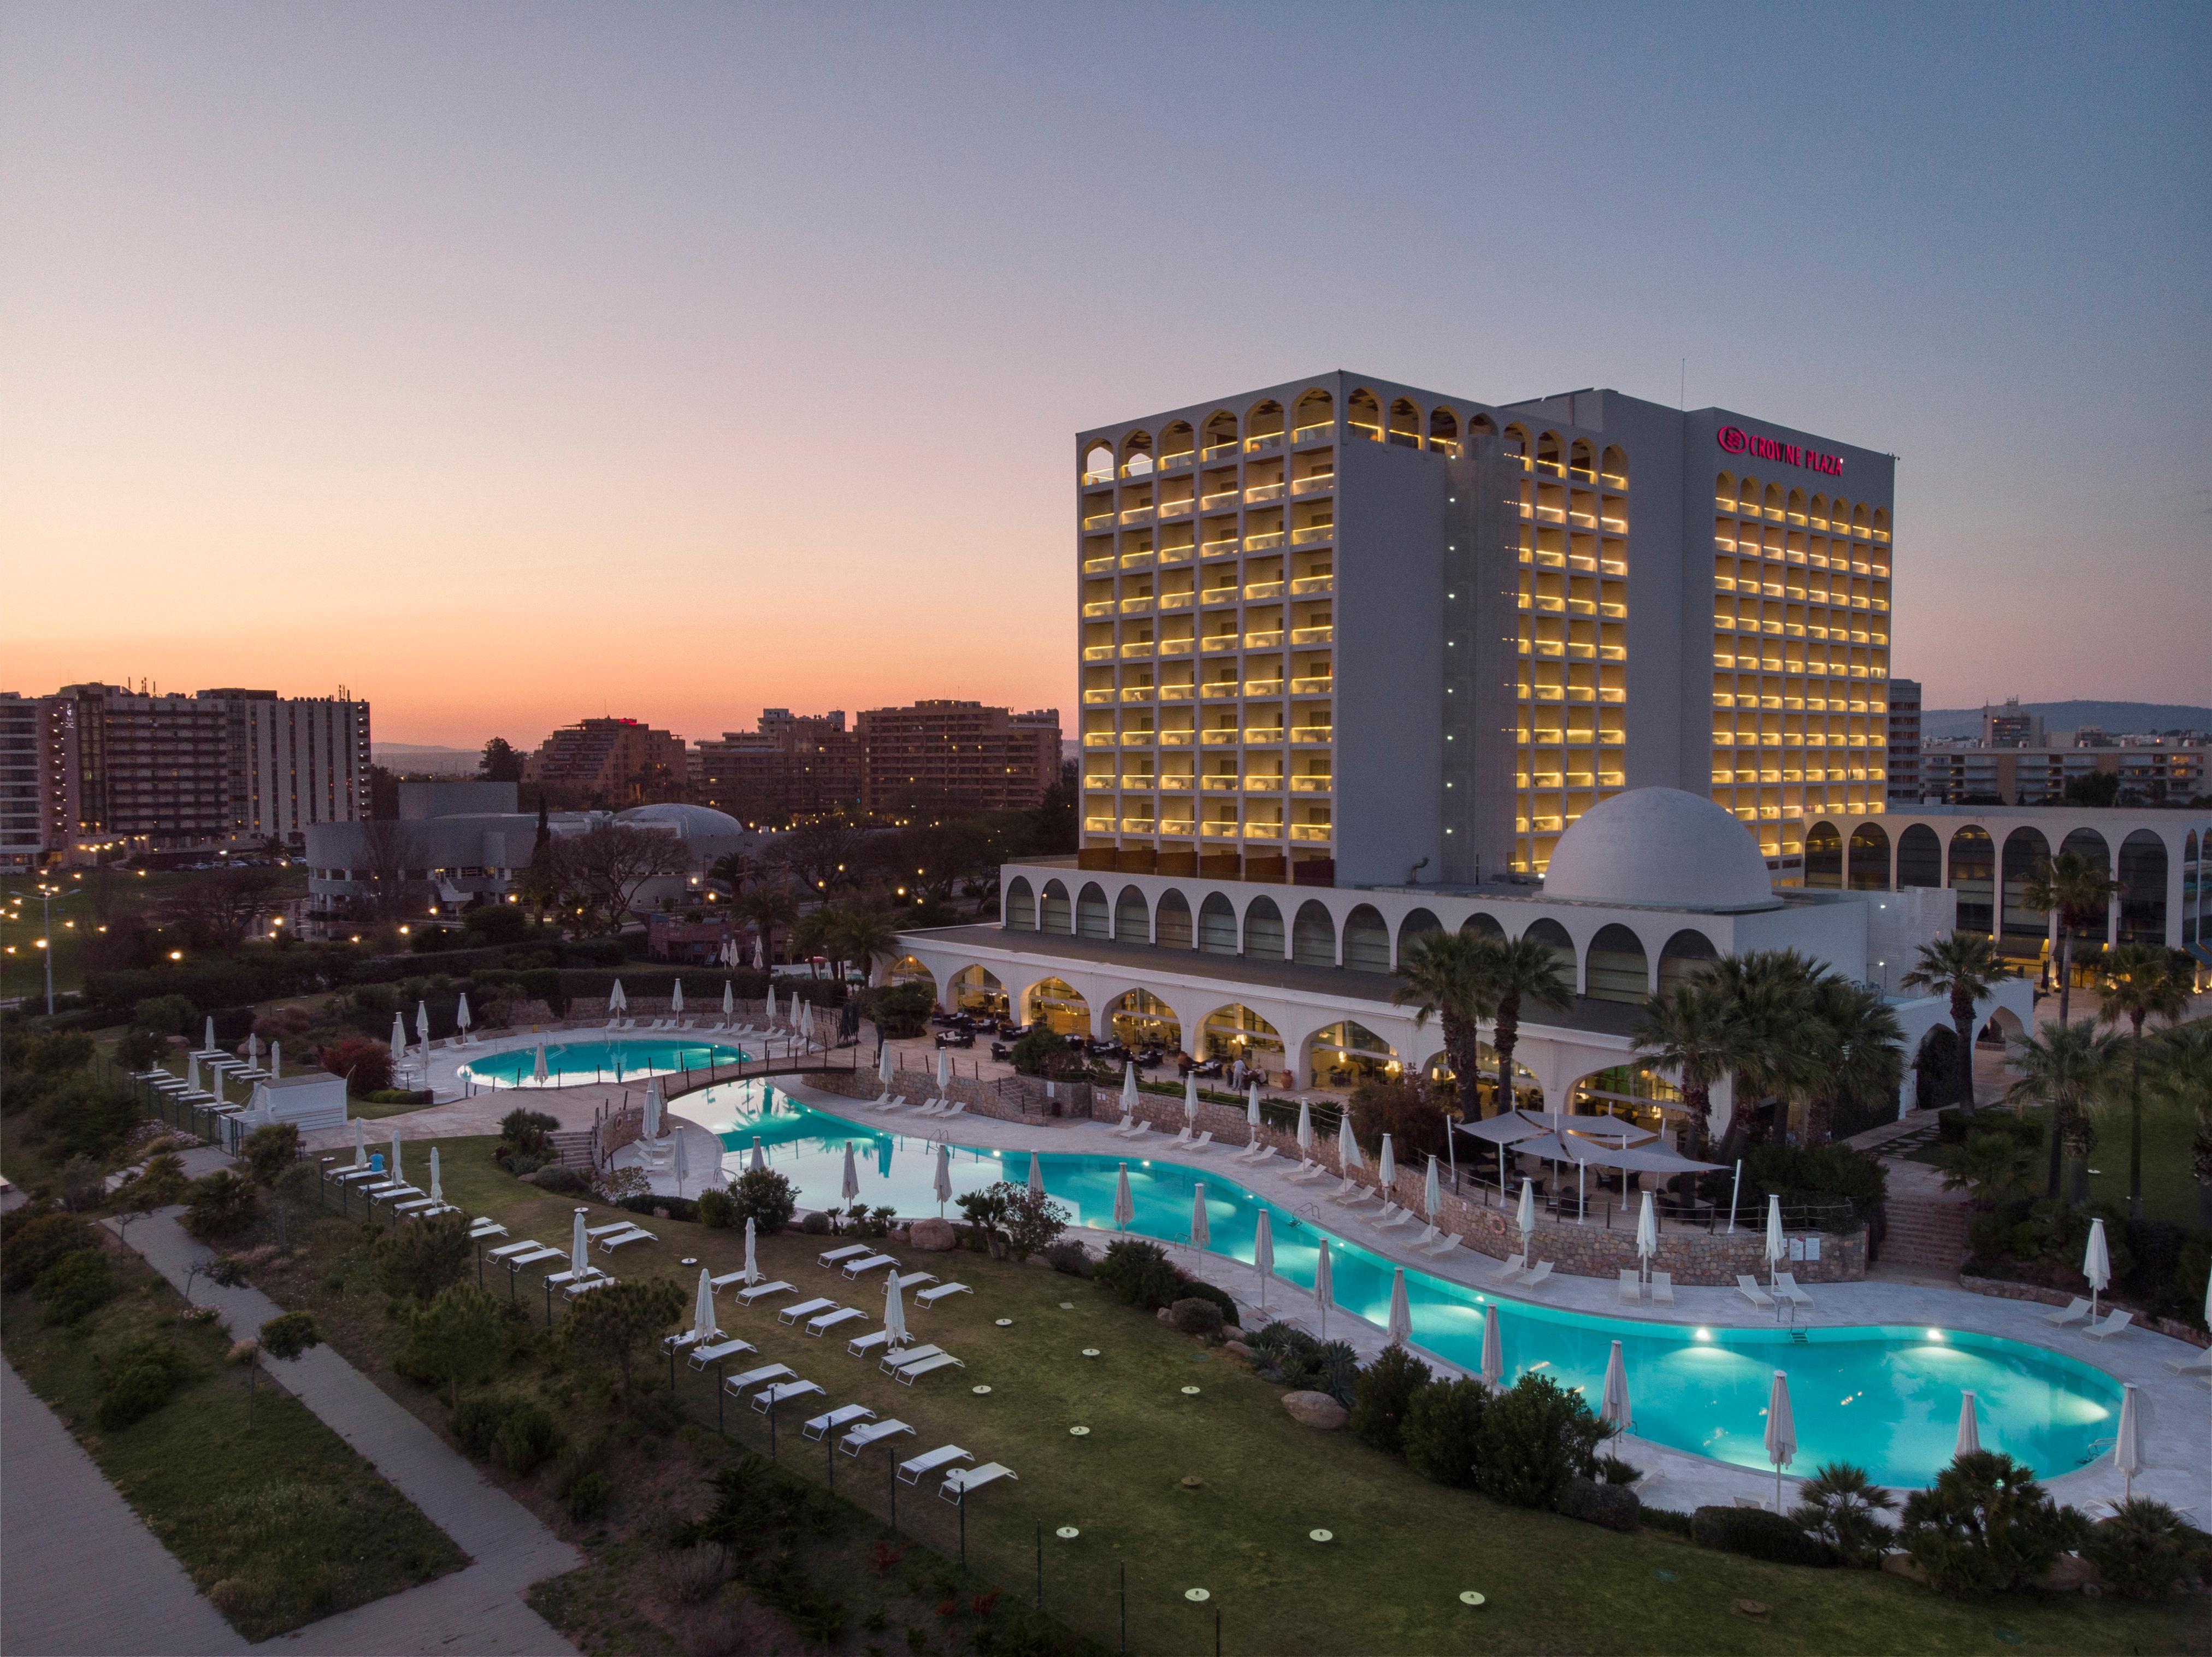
[932,1236]
[1238,1349]
[1316,1409]
[2069,1572]
[1899,1562]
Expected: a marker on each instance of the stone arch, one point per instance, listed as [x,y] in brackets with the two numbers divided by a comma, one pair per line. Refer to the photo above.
[1417,921]
[1093,918]
[1217,925]
[1340,1056]
[1973,876]
[1553,937]
[1263,930]
[1059,1005]
[1235,1031]
[1919,857]
[1868,869]
[1132,920]
[2025,850]
[1618,968]
[1018,908]
[1138,1018]
[1366,940]
[1313,935]
[976,989]
[1824,856]
[1056,914]
[910,970]
[2143,889]
[1685,960]
[1482,925]
[1172,923]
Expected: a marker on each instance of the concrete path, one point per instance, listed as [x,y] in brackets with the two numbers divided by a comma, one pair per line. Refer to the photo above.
[476,1609]
[72,1542]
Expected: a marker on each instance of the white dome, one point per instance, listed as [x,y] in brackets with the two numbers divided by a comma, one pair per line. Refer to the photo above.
[1660,845]
[690,822]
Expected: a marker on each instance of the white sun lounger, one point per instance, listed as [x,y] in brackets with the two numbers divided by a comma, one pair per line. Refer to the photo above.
[718,1284]
[830,1257]
[932,1106]
[805,1309]
[860,1268]
[701,1357]
[601,1280]
[905,1354]
[1512,1267]
[1632,1286]
[2199,1365]
[890,1102]
[596,1232]
[954,1108]
[843,1416]
[960,1480]
[563,1279]
[944,1290]
[760,1377]
[908,1374]
[829,1320]
[1536,1276]
[1785,1285]
[1748,1286]
[1393,1218]
[760,1291]
[1197,1147]
[689,1337]
[1250,1153]
[911,1473]
[1137,1132]
[1128,1128]
[2077,1311]
[2113,1324]
[529,1255]
[782,1392]
[1350,1194]
[1447,1242]
[861,1345]
[874,1433]
[1662,1288]
[1307,1173]
[479,1229]
[636,1233]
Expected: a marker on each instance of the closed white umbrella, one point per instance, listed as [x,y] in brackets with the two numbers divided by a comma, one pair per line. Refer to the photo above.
[462,1019]
[1401,1314]
[359,1143]
[2097,1263]
[850,1186]
[702,1310]
[422,1025]
[653,1110]
[1525,1216]
[1781,1432]
[1647,1232]
[1324,1286]
[944,1184]
[580,1253]
[1037,1175]
[616,1000]
[1388,1172]
[1493,1348]
[1125,1204]
[275,1061]
[676,998]
[682,1162]
[760,1156]
[1970,1431]
[729,1000]
[799,1014]
[752,1265]
[895,1311]
[1263,1253]
[437,1185]
[398,1036]
[1305,1129]
[1778,1246]
[192,1071]
[886,1066]
[1190,1098]
[1252,1110]
[771,1003]
[538,1070]
[1201,1234]
[1347,1147]
[944,1069]
[2127,1443]
[214,1081]
[253,1051]
[760,957]
[209,1044]
[1432,1195]
[1615,1407]
[396,1173]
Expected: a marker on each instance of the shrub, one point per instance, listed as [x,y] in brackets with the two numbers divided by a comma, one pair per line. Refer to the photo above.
[528,1131]
[1045,1053]
[815,1224]
[1849,1184]
[1613,1506]
[899,1011]
[1666,1520]
[477,1424]
[1442,1430]
[364,1061]
[1756,1535]
[271,1150]
[565,1181]
[40,1243]
[75,1287]
[590,1497]
[290,1335]
[1195,1317]
[1985,1526]
[417,1260]
[1139,1273]
[1385,1391]
[145,1376]
[400,1095]
[1070,1257]
[1012,1221]
[1953,1125]
[765,1197]
[694,1574]
[717,1212]
[220,1205]
[1197,1289]
[141,1049]
[172,1014]
[528,1438]
[2143,1549]
[619,1321]
[1535,1438]
[1840,1506]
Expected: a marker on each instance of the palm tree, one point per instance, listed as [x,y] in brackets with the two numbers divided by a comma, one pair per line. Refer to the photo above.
[810,934]
[2064,1066]
[864,936]
[1520,970]
[768,908]
[1863,1051]
[2180,1078]
[2140,983]
[2078,892]
[1770,994]
[1445,976]
[1694,1031]
[735,870]
[1964,967]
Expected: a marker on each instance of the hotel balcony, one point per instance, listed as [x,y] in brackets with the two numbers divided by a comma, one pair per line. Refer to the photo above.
[1321,686]
[1313,635]
[1308,832]
[1139,606]
[1317,484]
[1270,638]
[1214,643]
[1137,692]
[1314,535]
[1137,559]
[1093,698]
[1263,589]
[1265,541]
[1099,566]
[1175,825]
[1311,587]
[1097,607]
[1321,433]
[1261,492]
[1174,646]
[1313,785]
[1312,733]
[1263,686]
[1097,520]
[1217,688]
[1176,692]
[1098,825]
[1225,548]
[1265,442]
[1219,830]
[1175,554]
[1176,462]
[1217,451]
[1218,784]
[1222,738]
[1263,785]
[1175,784]
[1219,595]
[1176,738]
[1263,734]
[1097,739]
[1098,653]
[1137,651]
[1176,600]
[1263,831]
[1137,515]
[1136,739]
[1176,508]
[1222,498]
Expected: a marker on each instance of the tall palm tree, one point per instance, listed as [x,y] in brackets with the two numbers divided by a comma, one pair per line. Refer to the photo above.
[1769,993]
[2180,1078]
[810,934]
[1445,976]
[864,937]
[2079,893]
[734,870]
[2140,983]
[1694,1031]
[768,908]
[1964,967]
[1863,1051]
[1520,970]
[2064,1066]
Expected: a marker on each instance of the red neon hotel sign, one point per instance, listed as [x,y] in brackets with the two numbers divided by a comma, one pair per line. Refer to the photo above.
[1736,440]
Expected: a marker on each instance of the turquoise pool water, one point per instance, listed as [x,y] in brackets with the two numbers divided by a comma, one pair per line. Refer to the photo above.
[1885,1399]
[585,1061]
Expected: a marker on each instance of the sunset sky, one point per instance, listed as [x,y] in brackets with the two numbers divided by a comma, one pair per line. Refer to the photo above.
[509,364]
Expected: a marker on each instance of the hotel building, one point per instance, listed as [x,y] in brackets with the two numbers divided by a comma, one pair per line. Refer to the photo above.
[1341,630]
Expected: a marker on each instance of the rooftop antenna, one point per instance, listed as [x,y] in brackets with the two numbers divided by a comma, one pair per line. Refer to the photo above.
[1682,388]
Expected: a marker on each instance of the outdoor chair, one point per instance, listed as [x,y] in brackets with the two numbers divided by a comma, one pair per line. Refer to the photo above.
[1632,1286]
[596,1232]
[898,1102]
[804,1309]
[1307,1173]
[1785,1285]
[480,1229]
[2113,1324]
[760,1377]
[1512,1266]
[960,1480]
[1748,1286]
[861,1345]
[532,1254]
[2199,1365]
[769,1397]
[830,1257]
[676,1343]
[616,1239]
[954,1107]
[1393,1218]
[843,1416]
[702,1356]
[893,1360]
[586,1285]
[1537,1275]
[908,1374]
[1662,1288]
[1446,1243]
[860,1268]
[944,1290]
[911,1473]
[829,1320]
[874,1433]
[562,1279]
[2077,1311]
[718,1284]
[760,1291]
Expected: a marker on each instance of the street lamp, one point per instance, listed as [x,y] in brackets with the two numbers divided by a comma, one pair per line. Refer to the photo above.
[47,894]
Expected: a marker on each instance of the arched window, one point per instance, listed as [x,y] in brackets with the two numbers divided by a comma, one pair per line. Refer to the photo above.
[1479,427]
[1313,935]
[1171,921]
[1919,857]
[1133,921]
[1057,916]
[1177,441]
[1139,1019]
[1614,466]
[1366,940]
[1020,907]
[1869,865]
[1773,502]
[2143,889]
[1747,497]
[1405,423]
[1418,922]
[1363,413]
[1482,926]
[1824,856]
[1553,937]
[1090,916]
[1098,464]
[976,990]
[1686,959]
[1724,492]
[1817,509]
[2024,850]
[907,969]
[1548,453]
[1263,425]
[1315,414]
[2089,846]
[1515,440]
[1137,454]
[1236,1032]
[1973,876]
[1618,968]
[1797,507]
[1217,925]
[1218,435]
[1582,460]
[1444,429]
[1263,930]
[1055,1004]
[1344,1056]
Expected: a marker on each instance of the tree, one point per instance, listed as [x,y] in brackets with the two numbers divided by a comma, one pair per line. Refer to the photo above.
[219,1205]
[1841,1506]
[1694,1032]
[1770,996]
[1520,970]
[538,885]
[618,1322]
[734,870]
[499,763]
[2180,1078]
[2078,892]
[390,855]
[1985,1526]
[768,908]
[460,1336]
[219,911]
[766,1198]
[1052,826]
[862,938]
[2097,788]
[2064,1066]
[1966,967]
[2140,983]
[290,1336]
[1446,976]
[161,1182]
[364,1061]
[609,866]
[420,1258]
[820,854]
[1862,1051]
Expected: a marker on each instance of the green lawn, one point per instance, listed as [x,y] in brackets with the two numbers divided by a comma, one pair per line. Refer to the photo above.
[1403,1548]
[95,898]
[279,1524]
[2169,1184]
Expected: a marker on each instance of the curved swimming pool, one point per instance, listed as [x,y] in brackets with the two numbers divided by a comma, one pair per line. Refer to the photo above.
[567,1062]
[1882,1397]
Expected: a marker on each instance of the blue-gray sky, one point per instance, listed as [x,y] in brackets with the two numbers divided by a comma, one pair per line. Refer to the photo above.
[687,359]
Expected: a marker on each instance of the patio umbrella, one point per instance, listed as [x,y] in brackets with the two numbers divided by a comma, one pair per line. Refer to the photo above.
[752,1265]
[944,1184]
[798,1015]
[1129,1090]
[886,1066]
[895,1311]
[580,1250]
[1263,1253]
[215,1082]
[359,1143]
[1252,1110]
[1647,1233]
[1389,1169]
[2097,1263]
[675,999]
[682,1162]
[537,1071]
[1037,1175]
[615,1000]
[398,1036]
[1781,1432]
[1305,1129]
[771,1003]
[1347,1147]
[1324,1287]
[1493,1348]
[760,1157]
[2127,1443]
[461,1019]
[1970,1432]
[850,1186]
[1778,1246]
[209,1045]
[729,1001]
[1432,1194]
[396,1173]
[702,1310]
[760,955]
[1525,1216]
[1615,1407]
[1402,1316]
[653,1110]
[253,1051]
[437,1185]
[422,1025]
[1125,1204]
[944,1069]
[1201,1234]
[275,1061]
[192,1071]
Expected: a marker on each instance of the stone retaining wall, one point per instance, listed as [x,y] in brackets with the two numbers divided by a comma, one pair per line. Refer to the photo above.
[2004,1290]
[1026,1103]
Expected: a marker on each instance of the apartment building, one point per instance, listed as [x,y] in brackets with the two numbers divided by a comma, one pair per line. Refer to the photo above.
[293,762]
[1903,751]
[1344,630]
[2145,772]
[614,759]
[964,755]
[30,774]
[791,766]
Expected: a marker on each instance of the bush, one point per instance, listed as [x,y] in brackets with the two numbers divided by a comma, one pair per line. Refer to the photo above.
[145,1378]
[528,1438]
[1839,1505]
[1044,1053]
[364,1061]
[1197,1289]
[1849,1184]
[1070,1257]
[398,1097]
[765,1197]
[1613,1506]
[141,1049]
[815,1224]
[2144,1549]
[220,1205]
[565,1181]
[169,1015]
[417,1260]
[529,1132]
[1195,1317]
[75,1287]
[899,1011]
[1139,1273]
[590,1497]
[39,1243]
[1986,1527]
[1442,1430]
[1756,1535]
[1953,1125]
[1666,1520]
[1535,1438]
[478,1422]
[717,1212]
[1385,1391]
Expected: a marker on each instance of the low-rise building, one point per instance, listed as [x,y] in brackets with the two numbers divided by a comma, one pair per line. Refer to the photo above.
[617,761]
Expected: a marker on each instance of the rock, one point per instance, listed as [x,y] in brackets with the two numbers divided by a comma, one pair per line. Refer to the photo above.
[1316,1409]
[1164,1315]
[1238,1349]
[2068,1574]
[932,1236]
[1899,1562]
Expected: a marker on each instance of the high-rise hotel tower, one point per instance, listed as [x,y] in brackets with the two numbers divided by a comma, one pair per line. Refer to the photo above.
[1340,631]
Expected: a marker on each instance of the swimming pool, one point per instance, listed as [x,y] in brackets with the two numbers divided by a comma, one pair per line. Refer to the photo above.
[585,1061]
[1882,1397]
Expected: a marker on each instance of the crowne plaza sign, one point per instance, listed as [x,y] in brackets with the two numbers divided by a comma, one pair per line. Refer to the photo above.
[1736,440]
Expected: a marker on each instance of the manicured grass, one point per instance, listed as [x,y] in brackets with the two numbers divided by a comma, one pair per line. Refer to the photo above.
[279,1524]
[1403,1548]
[2169,1185]
[127,894]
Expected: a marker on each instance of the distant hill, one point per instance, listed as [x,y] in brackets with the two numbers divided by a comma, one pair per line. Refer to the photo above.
[2115,717]
[422,758]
